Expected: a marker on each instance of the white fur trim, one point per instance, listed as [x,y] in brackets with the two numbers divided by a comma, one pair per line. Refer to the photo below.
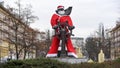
[60,15]
[72,53]
[51,55]
[60,7]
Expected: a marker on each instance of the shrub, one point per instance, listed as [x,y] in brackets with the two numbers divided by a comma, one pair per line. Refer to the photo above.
[13,64]
[35,63]
[49,63]
[117,60]
[1,65]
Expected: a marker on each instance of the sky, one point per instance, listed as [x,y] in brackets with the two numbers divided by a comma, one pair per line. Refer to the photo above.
[86,14]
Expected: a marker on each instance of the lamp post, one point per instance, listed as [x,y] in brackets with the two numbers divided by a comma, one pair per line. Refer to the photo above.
[0,47]
[0,43]
[0,52]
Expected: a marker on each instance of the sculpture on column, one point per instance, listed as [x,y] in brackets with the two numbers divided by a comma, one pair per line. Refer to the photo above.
[63,26]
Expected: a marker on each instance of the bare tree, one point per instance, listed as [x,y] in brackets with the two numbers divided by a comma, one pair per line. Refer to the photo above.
[92,48]
[43,43]
[24,18]
[48,40]
[27,19]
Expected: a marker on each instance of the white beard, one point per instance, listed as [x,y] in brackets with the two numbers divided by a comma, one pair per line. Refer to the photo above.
[61,12]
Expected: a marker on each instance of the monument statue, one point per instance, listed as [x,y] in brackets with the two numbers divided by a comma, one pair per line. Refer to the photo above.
[90,61]
[78,52]
[101,57]
[63,26]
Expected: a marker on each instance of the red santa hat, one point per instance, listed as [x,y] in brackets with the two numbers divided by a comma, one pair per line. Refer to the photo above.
[60,7]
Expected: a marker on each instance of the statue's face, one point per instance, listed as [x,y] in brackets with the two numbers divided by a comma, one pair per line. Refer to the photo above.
[61,11]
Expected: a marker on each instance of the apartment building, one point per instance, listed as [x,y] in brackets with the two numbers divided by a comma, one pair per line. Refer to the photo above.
[115,41]
[14,32]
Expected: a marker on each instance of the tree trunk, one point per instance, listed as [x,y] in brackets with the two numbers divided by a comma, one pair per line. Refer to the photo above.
[25,51]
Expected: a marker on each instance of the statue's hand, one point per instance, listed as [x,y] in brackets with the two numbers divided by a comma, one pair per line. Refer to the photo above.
[71,27]
[55,27]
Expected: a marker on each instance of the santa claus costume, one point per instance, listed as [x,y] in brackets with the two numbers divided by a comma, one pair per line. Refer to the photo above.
[61,17]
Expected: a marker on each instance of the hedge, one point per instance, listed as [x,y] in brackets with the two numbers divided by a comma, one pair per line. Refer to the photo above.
[49,63]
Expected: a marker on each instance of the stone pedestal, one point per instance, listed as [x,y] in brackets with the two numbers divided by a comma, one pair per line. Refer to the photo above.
[101,57]
[79,53]
[71,60]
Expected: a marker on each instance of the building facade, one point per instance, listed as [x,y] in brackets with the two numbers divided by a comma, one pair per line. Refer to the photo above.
[77,41]
[15,34]
[115,42]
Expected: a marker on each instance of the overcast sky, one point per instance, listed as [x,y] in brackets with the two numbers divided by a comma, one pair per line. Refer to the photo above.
[86,14]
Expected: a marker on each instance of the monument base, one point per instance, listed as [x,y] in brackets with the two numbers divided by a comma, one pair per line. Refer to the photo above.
[71,60]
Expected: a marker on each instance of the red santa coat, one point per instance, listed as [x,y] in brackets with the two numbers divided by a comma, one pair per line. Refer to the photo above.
[55,41]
